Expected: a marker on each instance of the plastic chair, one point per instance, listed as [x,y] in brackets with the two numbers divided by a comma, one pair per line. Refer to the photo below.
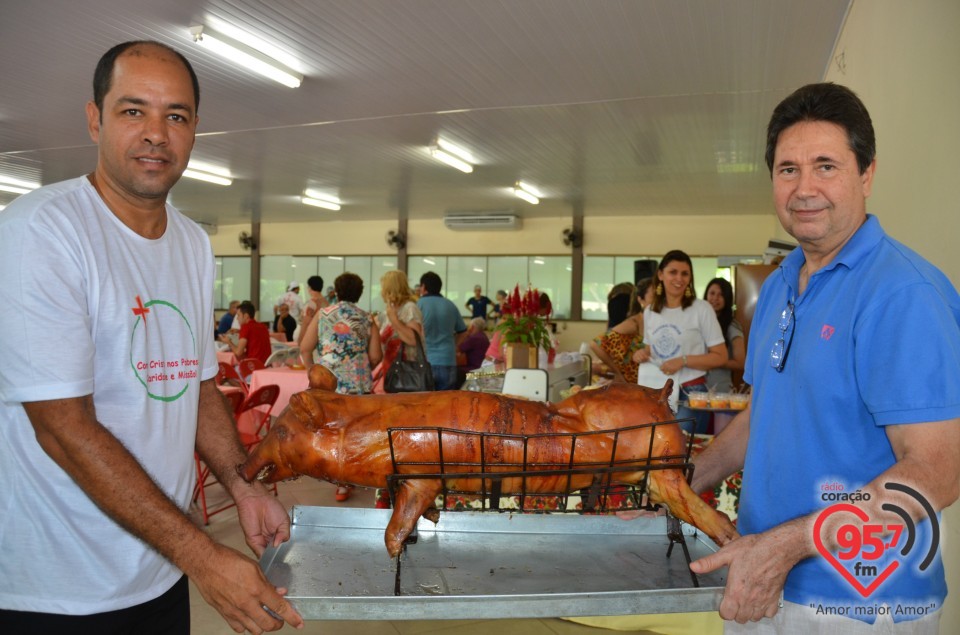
[288,356]
[530,383]
[253,422]
[247,365]
[235,399]
[227,375]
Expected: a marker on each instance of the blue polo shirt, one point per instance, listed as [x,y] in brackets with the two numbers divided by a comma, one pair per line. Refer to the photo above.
[441,322]
[875,342]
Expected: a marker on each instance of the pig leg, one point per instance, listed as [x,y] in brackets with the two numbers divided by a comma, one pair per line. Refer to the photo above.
[415,498]
[670,488]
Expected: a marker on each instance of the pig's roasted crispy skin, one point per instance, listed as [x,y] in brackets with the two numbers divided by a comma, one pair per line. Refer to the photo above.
[343,439]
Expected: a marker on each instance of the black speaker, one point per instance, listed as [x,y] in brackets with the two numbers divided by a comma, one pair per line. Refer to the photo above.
[644,269]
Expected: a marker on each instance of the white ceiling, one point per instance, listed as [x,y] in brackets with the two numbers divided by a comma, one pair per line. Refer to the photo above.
[632,106]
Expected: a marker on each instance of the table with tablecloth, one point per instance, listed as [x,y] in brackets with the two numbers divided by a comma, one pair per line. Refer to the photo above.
[290,381]
[227,357]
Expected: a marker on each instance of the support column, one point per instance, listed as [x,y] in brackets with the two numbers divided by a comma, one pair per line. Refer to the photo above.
[576,257]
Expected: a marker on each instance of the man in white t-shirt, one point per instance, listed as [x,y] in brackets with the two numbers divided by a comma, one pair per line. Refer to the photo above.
[293,301]
[97,438]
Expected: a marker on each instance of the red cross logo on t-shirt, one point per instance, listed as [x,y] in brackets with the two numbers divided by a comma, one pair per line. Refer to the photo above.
[141,311]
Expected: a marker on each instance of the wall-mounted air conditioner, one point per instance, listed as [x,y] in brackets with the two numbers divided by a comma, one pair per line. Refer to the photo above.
[481,221]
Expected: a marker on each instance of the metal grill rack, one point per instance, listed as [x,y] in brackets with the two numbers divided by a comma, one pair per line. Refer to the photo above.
[492,473]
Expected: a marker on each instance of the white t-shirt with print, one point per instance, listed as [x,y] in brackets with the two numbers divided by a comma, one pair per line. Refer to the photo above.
[677,332]
[87,306]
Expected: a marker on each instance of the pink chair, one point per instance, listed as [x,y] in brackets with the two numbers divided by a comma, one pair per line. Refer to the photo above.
[253,423]
[247,366]
[227,375]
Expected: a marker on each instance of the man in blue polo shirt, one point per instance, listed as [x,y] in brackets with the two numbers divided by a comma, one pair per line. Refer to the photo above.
[852,440]
[443,329]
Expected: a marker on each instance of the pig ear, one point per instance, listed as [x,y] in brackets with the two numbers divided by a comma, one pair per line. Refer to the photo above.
[666,392]
[321,378]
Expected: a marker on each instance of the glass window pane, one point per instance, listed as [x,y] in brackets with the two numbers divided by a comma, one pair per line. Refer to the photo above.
[506,272]
[276,272]
[553,275]
[419,265]
[464,273]
[232,280]
[379,265]
[598,276]
[328,268]
[704,270]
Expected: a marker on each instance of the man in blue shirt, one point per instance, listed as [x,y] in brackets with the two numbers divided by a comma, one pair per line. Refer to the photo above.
[852,435]
[226,320]
[443,328]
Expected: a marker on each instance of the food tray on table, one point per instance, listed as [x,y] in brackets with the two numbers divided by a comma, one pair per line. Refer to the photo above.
[482,565]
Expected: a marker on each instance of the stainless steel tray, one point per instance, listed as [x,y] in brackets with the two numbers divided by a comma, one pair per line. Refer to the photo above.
[483,565]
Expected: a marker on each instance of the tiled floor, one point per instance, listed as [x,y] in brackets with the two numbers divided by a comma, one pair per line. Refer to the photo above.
[224,528]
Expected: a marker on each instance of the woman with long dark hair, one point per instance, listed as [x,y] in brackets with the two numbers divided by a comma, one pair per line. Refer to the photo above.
[719,294]
[682,337]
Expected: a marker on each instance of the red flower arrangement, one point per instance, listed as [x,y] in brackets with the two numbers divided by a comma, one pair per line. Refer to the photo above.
[525,319]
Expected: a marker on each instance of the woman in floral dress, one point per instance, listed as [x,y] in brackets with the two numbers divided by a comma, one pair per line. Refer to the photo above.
[346,343]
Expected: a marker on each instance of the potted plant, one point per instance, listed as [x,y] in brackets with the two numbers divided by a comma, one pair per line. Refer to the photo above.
[523,327]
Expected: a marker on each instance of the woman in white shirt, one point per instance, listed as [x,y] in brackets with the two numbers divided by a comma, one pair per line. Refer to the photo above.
[682,336]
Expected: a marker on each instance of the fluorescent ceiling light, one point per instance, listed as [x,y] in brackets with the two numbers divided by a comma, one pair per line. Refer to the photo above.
[245,55]
[450,160]
[428,261]
[529,189]
[318,198]
[527,192]
[15,185]
[537,261]
[525,195]
[335,257]
[458,151]
[478,269]
[316,202]
[209,173]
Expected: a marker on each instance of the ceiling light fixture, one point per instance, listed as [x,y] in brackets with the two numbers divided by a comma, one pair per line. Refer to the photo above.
[245,54]
[208,172]
[317,198]
[16,186]
[527,192]
[450,160]
[453,155]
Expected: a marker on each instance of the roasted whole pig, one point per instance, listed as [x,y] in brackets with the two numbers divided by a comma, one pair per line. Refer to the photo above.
[344,439]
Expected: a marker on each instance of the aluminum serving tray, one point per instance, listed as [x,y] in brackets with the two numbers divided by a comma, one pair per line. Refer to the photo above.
[482,565]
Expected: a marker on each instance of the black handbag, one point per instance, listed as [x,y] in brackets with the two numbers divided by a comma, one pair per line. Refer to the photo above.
[409,375]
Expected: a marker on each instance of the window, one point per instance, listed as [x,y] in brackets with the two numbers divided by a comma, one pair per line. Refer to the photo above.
[276,272]
[232,281]
[600,273]
[550,274]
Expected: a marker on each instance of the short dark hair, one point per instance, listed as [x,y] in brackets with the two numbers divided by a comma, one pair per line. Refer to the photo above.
[349,287]
[431,282]
[315,283]
[828,102]
[103,75]
[247,308]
